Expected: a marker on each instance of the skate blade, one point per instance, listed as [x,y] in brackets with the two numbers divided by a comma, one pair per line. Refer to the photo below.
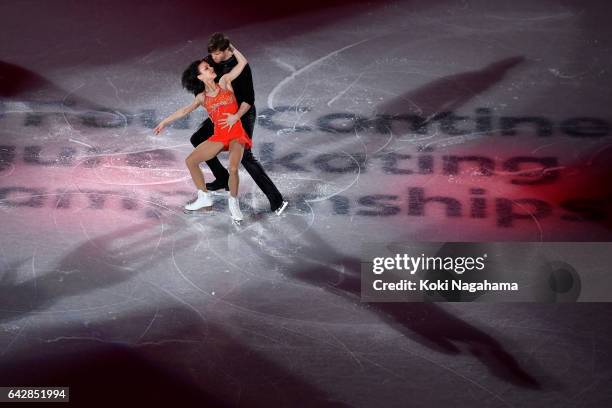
[237,223]
[279,212]
[219,192]
[204,210]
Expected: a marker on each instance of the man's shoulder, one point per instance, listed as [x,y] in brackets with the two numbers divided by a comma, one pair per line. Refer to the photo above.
[231,63]
[246,70]
[245,75]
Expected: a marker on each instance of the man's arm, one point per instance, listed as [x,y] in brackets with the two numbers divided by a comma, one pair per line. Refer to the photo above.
[244,108]
[230,119]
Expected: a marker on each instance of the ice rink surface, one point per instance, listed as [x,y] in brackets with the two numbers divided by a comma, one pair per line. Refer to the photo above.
[379,122]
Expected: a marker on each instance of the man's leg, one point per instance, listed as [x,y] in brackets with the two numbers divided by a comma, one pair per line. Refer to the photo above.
[205,131]
[255,169]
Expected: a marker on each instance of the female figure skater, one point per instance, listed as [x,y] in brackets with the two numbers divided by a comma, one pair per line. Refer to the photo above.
[219,101]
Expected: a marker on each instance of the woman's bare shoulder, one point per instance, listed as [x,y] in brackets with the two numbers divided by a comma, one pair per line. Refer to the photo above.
[200,97]
[225,83]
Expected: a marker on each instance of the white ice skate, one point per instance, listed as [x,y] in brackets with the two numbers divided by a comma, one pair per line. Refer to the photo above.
[234,208]
[203,200]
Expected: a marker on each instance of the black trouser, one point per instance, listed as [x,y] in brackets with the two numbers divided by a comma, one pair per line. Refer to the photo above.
[250,163]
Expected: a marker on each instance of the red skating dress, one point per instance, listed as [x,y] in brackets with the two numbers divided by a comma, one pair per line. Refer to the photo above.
[217,106]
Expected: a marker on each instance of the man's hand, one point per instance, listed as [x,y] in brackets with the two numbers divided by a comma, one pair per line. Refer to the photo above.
[229,120]
[159,128]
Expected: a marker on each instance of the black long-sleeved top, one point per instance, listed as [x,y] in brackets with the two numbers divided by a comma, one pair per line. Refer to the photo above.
[243,85]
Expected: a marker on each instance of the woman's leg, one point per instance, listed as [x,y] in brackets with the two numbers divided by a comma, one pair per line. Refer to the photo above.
[235,155]
[205,151]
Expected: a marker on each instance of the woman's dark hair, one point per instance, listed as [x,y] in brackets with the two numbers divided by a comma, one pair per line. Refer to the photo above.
[218,42]
[190,80]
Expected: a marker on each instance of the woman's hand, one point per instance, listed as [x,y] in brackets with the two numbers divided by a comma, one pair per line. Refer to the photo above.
[229,121]
[159,128]
[197,101]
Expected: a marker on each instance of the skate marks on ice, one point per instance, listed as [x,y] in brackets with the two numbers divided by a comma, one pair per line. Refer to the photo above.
[179,359]
[108,264]
[312,264]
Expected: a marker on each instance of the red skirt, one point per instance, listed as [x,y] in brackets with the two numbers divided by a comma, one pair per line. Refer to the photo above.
[226,135]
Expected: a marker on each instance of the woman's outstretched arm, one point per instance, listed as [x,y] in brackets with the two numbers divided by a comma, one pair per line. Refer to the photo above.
[179,114]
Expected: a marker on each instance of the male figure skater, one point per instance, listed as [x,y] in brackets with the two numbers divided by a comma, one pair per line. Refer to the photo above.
[222,60]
